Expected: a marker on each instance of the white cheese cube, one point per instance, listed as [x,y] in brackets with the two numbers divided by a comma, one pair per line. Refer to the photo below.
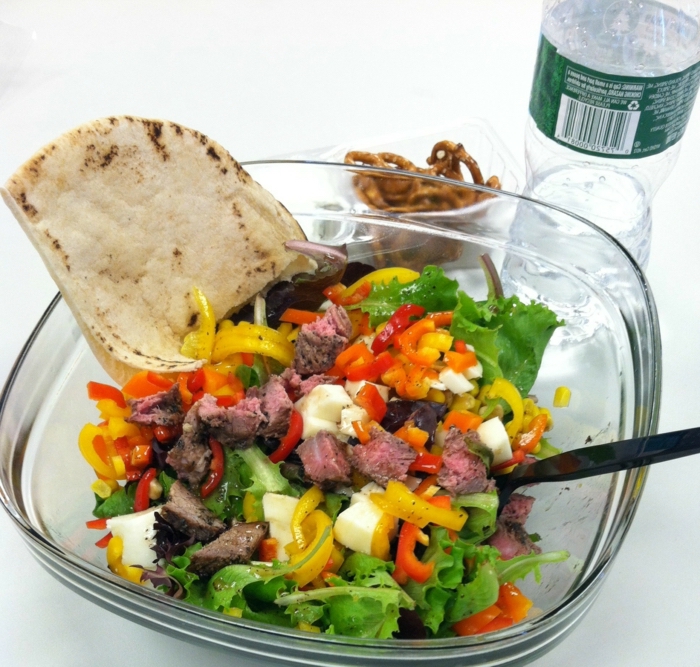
[493,435]
[474,372]
[457,383]
[353,413]
[138,535]
[363,494]
[353,387]
[321,408]
[354,527]
[278,510]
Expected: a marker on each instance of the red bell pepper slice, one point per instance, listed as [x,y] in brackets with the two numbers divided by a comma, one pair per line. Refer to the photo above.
[460,346]
[407,565]
[98,391]
[426,462]
[518,457]
[399,321]
[289,441]
[103,541]
[216,468]
[97,524]
[141,498]
[166,433]
[371,400]
[196,381]
[370,371]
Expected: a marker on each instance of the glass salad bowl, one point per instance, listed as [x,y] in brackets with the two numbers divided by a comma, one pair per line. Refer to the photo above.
[608,354]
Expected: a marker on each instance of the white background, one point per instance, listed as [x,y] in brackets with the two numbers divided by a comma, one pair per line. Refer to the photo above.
[267,77]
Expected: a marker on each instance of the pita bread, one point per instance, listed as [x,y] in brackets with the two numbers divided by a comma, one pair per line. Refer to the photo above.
[129,214]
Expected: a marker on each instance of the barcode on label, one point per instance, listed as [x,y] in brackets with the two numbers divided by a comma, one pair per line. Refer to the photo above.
[593,129]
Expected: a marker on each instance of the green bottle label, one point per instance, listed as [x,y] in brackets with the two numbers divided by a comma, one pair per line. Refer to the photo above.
[609,115]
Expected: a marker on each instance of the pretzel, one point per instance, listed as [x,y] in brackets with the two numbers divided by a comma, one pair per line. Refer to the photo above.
[398,194]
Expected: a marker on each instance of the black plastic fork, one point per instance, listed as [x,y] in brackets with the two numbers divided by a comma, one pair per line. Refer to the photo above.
[600,460]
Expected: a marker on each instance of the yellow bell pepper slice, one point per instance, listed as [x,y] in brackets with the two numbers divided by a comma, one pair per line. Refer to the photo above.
[398,501]
[108,408]
[87,449]
[198,344]
[251,510]
[254,339]
[115,549]
[118,428]
[501,388]
[307,504]
[382,276]
[101,488]
[380,547]
[438,340]
[312,560]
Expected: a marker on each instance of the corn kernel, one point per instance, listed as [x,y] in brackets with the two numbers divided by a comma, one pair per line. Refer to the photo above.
[483,391]
[436,396]
[307,627]
[101,488]
[562,396]
[464,403]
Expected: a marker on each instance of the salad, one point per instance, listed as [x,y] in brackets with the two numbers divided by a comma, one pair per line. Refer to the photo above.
[330,467]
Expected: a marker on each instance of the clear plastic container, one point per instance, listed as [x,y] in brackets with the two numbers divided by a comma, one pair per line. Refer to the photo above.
[476,135]
[614,85]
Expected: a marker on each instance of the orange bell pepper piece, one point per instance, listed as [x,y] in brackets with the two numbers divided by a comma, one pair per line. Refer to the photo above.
[145,383]
[296,316]
[464,421]
[408,341]
[474,624]
[513,603]
[531,438]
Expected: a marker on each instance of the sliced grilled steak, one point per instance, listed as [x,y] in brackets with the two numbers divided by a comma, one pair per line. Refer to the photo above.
[191,456]
[319,343]
[462,471]
[511,538]
[185,512]
[277,408]
[161,409]
[234,426]
[299,387]
[518,508]
[236,545]
[324,459]
[383,458]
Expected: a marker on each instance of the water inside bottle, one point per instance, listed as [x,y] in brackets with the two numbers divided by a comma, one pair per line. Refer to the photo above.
[613,200]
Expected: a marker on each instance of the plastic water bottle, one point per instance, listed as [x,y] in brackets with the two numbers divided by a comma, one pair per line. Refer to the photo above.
[614,86]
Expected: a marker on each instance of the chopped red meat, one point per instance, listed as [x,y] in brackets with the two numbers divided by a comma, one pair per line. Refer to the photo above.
[319,343]
[324,459]
[511,538]
[462,471]
[277,408]
[161,409]
[383,458]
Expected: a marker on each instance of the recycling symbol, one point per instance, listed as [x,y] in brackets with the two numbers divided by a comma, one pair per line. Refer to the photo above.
[633,106]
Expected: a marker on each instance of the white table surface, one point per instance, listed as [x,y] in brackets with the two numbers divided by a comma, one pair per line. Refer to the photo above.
[266,77]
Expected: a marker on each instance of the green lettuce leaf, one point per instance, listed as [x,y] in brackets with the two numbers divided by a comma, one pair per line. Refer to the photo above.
[368,571]
[520,566]
[475,595]
[482,510]
[119,503]
[509,336]
[433,290]
[356,611]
